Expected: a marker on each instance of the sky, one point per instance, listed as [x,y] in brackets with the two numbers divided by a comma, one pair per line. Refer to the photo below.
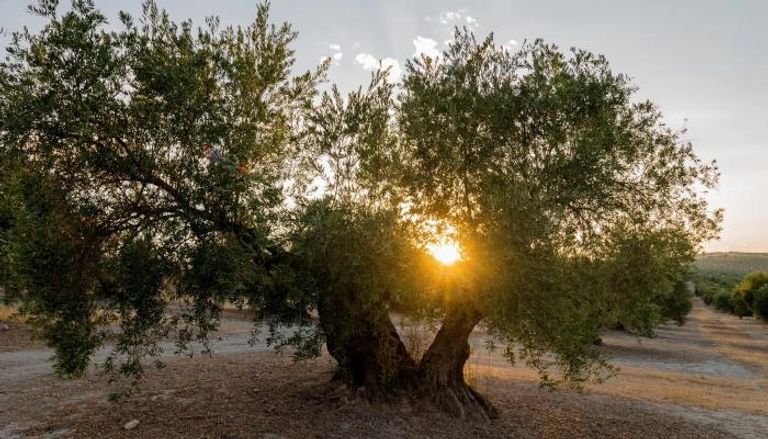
[704,62]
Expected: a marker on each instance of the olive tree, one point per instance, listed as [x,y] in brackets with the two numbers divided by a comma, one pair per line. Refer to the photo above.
[164,165]
[151,167]
[750,296]
[574,204]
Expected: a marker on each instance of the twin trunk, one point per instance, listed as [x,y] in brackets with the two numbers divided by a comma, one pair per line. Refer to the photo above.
[373,358]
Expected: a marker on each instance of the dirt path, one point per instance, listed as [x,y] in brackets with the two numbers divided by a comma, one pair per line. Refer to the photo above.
[708,378]
[712,371]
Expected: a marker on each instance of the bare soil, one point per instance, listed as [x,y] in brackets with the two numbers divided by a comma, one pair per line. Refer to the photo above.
[707,379]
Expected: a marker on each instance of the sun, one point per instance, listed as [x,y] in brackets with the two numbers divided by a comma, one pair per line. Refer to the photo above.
[447,252]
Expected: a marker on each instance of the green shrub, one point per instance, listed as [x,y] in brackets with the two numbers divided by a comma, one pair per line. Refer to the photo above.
[709,285]
[676,303]
[740,307]
[723,301]
[753,290]
[760,302]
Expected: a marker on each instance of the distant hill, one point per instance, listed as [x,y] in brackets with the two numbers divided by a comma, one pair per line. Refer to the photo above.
[732,263]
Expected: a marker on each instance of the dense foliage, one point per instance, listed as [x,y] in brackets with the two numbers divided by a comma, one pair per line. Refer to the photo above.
[709,285]
[553,176]
[154,143]
[159,172]
[752,295]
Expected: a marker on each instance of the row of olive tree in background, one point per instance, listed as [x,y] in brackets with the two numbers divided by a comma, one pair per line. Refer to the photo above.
[744,297]
[154,173]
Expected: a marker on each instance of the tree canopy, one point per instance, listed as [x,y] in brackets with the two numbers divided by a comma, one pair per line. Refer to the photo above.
[750,296]
[157,172]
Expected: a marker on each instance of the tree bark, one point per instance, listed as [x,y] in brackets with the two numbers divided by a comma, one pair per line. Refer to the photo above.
[441,370]
[371,356]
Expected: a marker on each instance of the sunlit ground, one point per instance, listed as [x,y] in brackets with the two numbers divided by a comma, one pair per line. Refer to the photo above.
[712,370]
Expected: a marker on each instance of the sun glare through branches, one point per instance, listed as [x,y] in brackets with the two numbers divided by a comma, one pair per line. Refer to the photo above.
[447,252]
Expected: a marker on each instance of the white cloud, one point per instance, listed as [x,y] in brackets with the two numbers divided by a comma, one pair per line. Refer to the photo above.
[426,46]
[367,61]
[395,71]
[449,16]
[511,44]
[457,18]
[336,56]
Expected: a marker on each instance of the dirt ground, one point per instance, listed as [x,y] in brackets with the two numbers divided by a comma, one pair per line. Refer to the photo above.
[707,379]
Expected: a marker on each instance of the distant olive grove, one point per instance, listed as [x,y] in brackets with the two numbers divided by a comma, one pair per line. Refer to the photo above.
[743,297]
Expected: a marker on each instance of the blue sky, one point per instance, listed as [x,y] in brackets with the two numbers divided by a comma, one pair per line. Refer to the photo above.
[705,63]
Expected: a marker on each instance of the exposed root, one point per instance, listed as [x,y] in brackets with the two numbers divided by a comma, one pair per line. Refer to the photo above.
[461,401]
[456,399]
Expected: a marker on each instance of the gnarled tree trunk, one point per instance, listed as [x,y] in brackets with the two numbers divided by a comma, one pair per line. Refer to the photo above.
[373,358]
[441,370]
[365,343]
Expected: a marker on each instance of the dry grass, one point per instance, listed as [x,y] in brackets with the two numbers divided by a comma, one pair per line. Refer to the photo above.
[745,340]
[645,384]
[416,335]
[10,313]
[689,390]
[18,336]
